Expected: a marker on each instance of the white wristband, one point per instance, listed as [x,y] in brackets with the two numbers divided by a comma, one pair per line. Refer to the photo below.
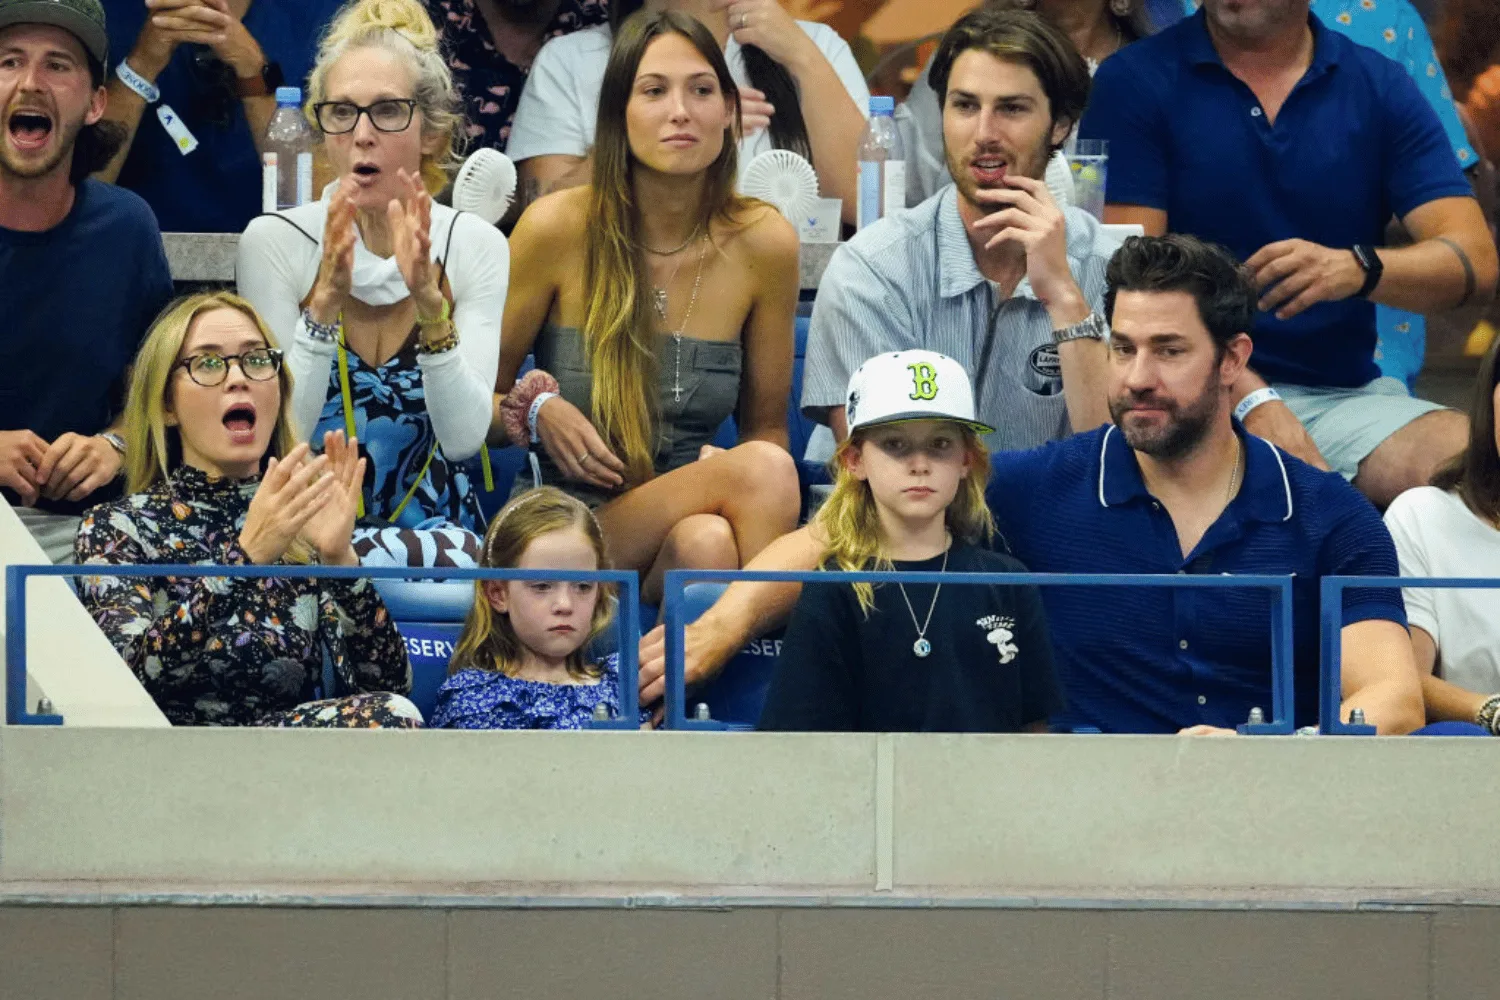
[147,90]
[536,407]
[1253,400]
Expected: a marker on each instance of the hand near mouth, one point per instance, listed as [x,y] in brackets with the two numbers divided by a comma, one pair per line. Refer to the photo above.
[1030,218]
[410,219]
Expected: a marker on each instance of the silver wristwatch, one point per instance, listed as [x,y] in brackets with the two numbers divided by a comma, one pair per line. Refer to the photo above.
[1093,328]
[114,441]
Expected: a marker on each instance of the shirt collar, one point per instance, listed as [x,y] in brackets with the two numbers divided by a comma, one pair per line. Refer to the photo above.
[1266,494]
[1199,49]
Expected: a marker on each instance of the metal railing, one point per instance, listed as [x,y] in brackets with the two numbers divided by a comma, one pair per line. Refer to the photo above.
[628,622]
[1282,721]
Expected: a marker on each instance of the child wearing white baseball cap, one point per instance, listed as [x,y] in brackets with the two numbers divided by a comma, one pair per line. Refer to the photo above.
[908,494]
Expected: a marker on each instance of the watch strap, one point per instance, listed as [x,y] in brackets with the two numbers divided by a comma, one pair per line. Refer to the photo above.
[1092,328]
[1374,269]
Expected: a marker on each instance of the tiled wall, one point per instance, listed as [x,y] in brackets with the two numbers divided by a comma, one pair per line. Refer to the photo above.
[224,953]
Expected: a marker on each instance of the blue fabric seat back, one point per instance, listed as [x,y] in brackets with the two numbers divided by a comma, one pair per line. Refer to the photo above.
[738,693]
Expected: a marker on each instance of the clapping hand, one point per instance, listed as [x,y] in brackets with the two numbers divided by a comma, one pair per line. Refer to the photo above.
[410,218]
[336,271]
[293,490]
[330,529]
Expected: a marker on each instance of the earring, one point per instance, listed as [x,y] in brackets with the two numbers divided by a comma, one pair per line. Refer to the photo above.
[1120,8]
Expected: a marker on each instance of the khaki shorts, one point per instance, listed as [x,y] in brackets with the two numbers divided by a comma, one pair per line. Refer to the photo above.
[1348,424]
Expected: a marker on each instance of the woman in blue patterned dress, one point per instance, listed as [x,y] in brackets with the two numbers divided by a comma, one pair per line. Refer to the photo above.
[521,661]
[390,305]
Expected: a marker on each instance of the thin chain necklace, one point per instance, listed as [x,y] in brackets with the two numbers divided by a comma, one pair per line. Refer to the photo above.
[922,647]
[1234,477]
[659,295]
[677,337]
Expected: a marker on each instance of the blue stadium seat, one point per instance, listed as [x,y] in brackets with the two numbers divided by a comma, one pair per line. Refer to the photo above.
[429,647]
[736,695]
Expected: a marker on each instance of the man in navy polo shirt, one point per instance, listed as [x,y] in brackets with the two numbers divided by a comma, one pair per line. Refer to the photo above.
[1173,485]
[217,64]
[1252,125]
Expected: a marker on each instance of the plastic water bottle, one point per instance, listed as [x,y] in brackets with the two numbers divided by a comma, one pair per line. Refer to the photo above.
[882,164]
[286,164]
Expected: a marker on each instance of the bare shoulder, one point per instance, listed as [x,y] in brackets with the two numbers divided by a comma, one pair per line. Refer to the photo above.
[765,237]
[561,215]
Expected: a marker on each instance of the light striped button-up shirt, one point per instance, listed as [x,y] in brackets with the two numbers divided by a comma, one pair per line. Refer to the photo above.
[911,281]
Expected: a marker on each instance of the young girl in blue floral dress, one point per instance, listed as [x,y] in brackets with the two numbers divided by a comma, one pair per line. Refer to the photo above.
[521,661]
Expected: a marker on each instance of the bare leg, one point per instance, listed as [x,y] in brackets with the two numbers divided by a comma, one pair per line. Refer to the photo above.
[1409,457]
[752,488]
[699,541]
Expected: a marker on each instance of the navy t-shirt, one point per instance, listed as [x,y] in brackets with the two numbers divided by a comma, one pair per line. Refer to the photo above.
[75,302]
[1354,144]
[216,188]
[989,670]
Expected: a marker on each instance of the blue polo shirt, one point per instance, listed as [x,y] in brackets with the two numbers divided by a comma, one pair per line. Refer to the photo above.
[1354,144]
[216,188]
[1149,660]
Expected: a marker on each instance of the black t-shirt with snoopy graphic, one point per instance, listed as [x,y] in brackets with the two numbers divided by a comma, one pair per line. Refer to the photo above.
[989,671]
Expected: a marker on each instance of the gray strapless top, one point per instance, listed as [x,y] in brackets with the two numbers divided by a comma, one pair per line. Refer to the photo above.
[710,380]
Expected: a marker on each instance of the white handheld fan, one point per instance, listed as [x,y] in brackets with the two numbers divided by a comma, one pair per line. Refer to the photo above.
[784,179]
[485,185]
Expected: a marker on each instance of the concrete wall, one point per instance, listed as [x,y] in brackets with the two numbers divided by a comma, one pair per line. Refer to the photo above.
[178,953]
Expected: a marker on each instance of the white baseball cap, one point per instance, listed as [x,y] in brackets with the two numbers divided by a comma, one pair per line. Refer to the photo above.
[910,385]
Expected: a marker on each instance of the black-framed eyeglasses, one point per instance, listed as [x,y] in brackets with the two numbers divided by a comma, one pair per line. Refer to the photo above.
[390,115]
[209,370]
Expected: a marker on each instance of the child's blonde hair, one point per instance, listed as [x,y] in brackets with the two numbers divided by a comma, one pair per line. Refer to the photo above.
[850,522]
[403,28]
[488,641]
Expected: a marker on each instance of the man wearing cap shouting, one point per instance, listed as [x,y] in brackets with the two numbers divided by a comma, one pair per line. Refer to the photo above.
[991,271]
[1172,485]
[82,271]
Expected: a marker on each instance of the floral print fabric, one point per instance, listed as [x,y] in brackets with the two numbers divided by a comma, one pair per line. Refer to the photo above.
[488,699]
[226,651]
[489,82]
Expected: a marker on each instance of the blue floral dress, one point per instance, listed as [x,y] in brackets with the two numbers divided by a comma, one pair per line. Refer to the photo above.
[487,699]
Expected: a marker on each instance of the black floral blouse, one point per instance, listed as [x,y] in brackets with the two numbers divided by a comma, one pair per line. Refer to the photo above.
[490,83]
[226,651]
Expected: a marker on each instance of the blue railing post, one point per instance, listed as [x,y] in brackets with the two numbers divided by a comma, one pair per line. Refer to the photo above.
[17,712]
[1283,721]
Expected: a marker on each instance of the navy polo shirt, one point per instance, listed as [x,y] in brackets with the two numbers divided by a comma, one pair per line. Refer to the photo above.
[216,188]
[1147,660]
[1354,144]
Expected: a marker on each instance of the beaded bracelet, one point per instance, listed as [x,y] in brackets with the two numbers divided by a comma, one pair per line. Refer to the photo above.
[1488,716]
[441,346]
[327,333]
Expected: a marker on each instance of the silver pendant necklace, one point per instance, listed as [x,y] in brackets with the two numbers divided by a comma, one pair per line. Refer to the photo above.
[677,337]
[922,647]
[659,295]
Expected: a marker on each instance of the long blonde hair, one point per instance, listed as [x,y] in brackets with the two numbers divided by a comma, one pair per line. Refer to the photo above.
[850,522]
[402,28]
[152,449]
[489,641]
[617,326]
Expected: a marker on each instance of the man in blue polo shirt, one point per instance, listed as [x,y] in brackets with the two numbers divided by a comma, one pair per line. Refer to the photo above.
[1252,125]
[1173,485]
[217,64]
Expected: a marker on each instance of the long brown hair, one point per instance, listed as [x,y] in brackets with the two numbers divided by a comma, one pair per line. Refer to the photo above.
[1467,41]
[488,640]
[617,326]
[1475,472]
[850,521]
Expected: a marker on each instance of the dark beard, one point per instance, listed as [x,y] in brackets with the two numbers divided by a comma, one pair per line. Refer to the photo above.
[67,139]
[1185,429]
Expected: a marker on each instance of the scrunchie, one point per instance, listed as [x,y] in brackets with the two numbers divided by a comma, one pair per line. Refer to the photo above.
[517,403]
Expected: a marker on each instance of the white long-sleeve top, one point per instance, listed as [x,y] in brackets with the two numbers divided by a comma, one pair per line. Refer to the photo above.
[278,265]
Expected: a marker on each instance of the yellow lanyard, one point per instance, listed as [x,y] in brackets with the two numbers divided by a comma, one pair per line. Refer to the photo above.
[347,396]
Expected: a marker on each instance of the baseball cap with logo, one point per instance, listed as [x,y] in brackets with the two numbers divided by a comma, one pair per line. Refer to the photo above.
[910,385]
[84,18]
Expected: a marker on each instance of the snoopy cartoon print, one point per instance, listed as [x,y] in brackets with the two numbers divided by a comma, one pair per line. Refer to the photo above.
[999,630]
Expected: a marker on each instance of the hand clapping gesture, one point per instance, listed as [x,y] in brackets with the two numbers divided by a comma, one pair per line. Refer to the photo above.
[331,527]
[410,219]
[336,272]
[292,492]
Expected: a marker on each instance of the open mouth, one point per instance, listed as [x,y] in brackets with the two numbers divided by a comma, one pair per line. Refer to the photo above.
[239,420]
[989,169]
[366,171]
[29,129]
